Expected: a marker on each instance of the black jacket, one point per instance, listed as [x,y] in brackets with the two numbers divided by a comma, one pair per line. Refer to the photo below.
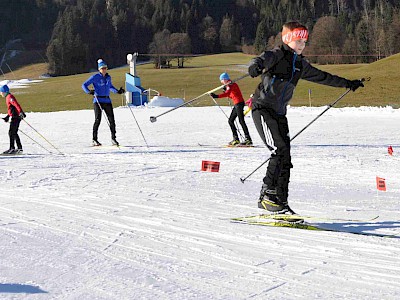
[282,70]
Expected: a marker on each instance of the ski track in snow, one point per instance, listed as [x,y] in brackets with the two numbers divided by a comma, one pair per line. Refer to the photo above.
[145,223]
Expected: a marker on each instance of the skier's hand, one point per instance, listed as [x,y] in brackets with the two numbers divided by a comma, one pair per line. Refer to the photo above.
[121,90]
[6,118]
[354,84]
[22,115]
[91,92]
[214,95]
[254,70]
[249,101]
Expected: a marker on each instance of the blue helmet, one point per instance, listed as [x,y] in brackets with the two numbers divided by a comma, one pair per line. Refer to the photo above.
[224,76]
[4,89]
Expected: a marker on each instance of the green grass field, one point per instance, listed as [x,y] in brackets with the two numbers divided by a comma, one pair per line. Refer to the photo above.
[200,75]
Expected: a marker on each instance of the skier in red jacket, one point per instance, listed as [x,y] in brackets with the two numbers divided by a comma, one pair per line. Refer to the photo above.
[16,113]
[232,91]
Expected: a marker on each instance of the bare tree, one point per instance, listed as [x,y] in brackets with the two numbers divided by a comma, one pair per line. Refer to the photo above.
[180,44]
[327,39]
[160,46]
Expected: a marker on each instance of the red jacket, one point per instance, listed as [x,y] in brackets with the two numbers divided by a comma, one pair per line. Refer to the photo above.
[233,92]
[14,109]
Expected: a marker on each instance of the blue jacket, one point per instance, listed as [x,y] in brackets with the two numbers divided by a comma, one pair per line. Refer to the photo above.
[102,87]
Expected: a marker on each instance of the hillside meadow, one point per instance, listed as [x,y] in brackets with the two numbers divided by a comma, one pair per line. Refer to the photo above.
[200,75]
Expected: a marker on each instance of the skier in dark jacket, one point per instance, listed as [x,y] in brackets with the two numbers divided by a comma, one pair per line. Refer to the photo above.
[16,113]
[102,84]
[280,70]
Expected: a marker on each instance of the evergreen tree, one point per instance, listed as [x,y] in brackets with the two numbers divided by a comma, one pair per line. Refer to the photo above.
[363,39]
[66,51]
[261,37]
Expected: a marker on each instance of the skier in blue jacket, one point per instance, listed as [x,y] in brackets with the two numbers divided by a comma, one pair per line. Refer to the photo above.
[102,85]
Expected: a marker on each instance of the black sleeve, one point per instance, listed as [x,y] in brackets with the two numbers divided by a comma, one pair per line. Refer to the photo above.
[267,59]
[313,74]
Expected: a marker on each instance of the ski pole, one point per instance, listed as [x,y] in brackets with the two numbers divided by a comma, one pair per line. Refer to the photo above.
[297,134]
[43,137]
[36,142]
[138,126]
[154,118]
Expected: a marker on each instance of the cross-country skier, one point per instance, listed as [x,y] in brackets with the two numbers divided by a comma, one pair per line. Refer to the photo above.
[280,70]
[102,85]
[16,113]
[232,91]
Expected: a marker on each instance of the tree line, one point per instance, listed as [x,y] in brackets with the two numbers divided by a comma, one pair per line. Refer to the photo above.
[77,32]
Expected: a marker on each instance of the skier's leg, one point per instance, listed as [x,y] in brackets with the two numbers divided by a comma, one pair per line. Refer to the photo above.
[17,139]
[108,109]
[239,111]
[97,120]
[12,132]
[286,162]
[231,122]
[276,180]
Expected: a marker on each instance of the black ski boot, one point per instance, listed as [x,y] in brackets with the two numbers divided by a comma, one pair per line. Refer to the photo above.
[270,201]
[9,151]
[247,142]
[114,142]
[96,143]
[234,142]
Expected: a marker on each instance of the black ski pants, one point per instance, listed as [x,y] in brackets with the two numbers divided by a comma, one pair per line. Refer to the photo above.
[13,133]
[237,112]
[108,109]
[277,139]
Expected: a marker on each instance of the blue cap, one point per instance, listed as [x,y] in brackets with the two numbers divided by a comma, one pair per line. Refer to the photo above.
[224,76]
[4,89]
[101,64]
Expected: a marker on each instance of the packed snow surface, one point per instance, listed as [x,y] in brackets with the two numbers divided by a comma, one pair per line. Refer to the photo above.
[140,222]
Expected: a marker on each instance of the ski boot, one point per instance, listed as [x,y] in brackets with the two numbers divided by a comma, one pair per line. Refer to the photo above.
[114,142]
[9,151]
[96,143]
[270,201]
[19,151]
[234,142]
[247,142]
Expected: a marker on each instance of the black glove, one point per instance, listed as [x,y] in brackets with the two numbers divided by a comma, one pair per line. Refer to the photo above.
[121,90]
[22,115]
[254,70]
[6,118]
[91,92]
[214,95]
[354,84]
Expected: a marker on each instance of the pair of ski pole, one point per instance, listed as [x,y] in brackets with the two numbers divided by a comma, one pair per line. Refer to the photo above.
[154,118]
[41,137]
[109,125]
[305,127]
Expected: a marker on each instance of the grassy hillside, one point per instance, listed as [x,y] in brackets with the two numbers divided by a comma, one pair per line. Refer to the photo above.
[201,74]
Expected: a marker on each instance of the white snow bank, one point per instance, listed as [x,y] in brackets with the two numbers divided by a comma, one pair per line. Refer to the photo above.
[162,101]
[19,84]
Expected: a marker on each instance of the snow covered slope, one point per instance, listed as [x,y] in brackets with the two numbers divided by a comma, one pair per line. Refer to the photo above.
[146,223]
